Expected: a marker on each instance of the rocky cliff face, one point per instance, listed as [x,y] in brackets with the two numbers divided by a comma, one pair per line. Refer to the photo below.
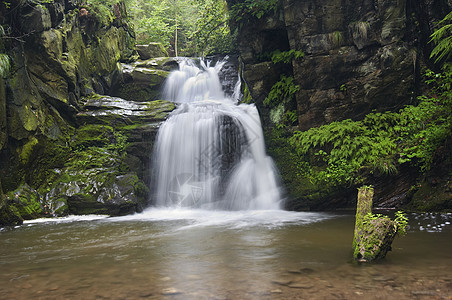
[63,147]
[360,56]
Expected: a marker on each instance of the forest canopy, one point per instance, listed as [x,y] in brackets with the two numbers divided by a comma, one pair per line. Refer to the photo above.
[185,27]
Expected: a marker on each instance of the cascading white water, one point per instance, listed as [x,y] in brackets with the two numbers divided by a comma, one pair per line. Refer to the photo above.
[210,153]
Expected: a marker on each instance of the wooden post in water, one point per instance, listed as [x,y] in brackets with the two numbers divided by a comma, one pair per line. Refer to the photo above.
[373,233]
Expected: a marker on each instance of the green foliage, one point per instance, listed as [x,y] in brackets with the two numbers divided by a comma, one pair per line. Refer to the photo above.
[247,10]
[341,150]
[192,27]
[282,91]
[211,34]
[102,10]
[336,38]
[442,37]
[286,56]
[402,222]
[345,152]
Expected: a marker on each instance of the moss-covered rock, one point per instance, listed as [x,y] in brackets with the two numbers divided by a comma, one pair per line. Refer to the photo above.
[26,203]
[95,180]
[7,217]
[432,196]
[375,239]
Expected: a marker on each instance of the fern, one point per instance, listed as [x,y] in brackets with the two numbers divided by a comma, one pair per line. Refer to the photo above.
[442,37]
[282,91]
[286,56]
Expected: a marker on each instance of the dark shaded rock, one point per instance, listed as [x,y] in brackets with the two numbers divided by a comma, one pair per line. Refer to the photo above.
[34,18]
[7,216]
[3,120]
[56,10]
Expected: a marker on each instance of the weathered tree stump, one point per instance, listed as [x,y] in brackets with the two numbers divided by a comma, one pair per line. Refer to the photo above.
[373,233]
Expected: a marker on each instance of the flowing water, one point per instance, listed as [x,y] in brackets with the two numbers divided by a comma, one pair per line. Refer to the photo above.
[201,254]
[210,153]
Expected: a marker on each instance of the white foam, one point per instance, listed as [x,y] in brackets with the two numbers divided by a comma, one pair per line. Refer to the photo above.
[67,219]
[227,219]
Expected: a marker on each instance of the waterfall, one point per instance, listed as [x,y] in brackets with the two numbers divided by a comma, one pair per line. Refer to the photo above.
[210,152]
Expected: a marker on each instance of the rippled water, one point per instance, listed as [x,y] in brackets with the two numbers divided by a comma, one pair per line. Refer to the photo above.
[196,254]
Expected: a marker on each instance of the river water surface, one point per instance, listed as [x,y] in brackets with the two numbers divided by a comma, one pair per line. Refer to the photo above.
[197,254]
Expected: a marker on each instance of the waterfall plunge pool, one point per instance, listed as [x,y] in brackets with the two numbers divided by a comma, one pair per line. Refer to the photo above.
[198,254]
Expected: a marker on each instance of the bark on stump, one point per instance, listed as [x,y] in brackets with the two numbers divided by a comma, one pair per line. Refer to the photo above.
[373,234]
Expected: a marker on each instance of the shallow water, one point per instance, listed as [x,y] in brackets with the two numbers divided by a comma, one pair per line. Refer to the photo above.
[196,254]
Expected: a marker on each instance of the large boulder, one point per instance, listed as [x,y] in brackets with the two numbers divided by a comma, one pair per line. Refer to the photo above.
[151,50]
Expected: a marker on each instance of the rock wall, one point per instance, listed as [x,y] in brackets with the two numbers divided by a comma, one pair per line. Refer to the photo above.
[63,147]
[356,59]
[360,56]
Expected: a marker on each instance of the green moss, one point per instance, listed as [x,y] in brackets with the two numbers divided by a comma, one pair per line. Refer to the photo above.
[27,149]
[93,135]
